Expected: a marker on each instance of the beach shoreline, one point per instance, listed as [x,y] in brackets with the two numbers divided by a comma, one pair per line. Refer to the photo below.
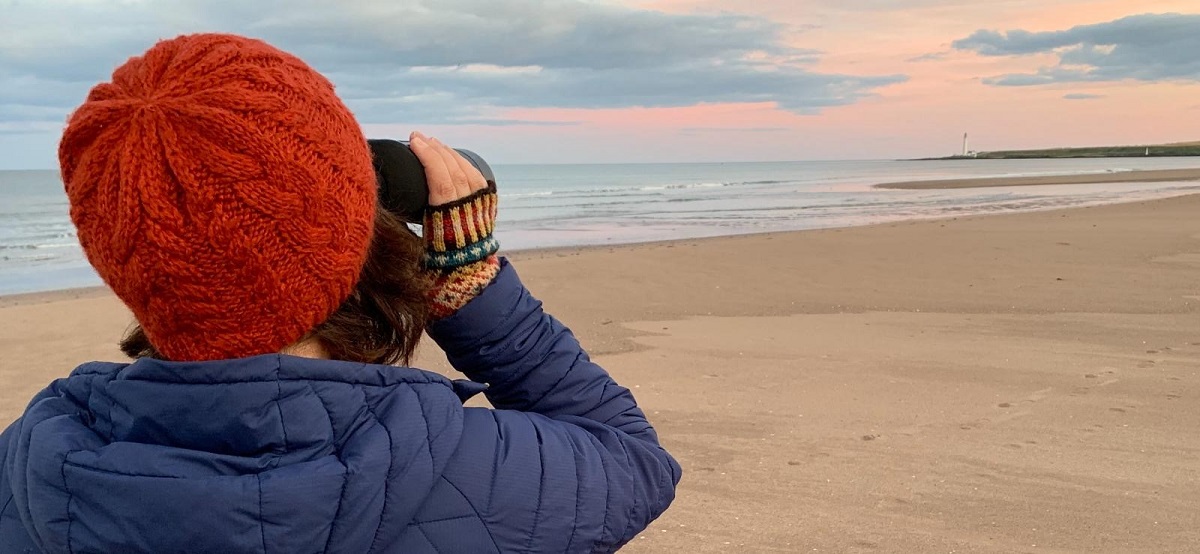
[568,206]
[52,295]
[932,385]
[1141,176]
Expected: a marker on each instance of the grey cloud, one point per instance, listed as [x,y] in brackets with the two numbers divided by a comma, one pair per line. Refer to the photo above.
[1082,96]
[930,57]
[1043,76]
[517,33]
[800,92]
[1011,43]
[449,61]
[515,123]
[701,130]
[1150,47]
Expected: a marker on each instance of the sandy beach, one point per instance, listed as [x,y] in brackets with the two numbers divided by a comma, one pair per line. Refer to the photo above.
[1015,383]
[1147,176]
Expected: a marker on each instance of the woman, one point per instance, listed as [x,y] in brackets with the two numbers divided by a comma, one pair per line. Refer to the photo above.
[227,196]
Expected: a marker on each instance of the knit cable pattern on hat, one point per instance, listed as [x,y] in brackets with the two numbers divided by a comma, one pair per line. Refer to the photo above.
[460,250]
[223,191]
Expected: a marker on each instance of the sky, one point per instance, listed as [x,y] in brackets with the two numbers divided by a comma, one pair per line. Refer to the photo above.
[607,81]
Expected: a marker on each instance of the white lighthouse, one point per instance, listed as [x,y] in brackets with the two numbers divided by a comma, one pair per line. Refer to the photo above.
[966,146]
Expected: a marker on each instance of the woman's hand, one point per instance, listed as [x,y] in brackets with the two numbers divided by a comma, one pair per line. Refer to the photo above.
[460,251]
[449,175]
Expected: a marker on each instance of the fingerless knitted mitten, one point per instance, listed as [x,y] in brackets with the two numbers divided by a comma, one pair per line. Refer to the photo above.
[460,250]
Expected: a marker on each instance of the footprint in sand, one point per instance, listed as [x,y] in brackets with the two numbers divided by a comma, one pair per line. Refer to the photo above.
[1084,389]
[1169,356]
[1037,396]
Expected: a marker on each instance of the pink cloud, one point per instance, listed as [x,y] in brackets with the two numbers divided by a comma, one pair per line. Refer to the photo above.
[927,115]
[943,97]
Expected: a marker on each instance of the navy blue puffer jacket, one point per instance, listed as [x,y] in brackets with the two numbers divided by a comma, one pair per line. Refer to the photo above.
[278,454]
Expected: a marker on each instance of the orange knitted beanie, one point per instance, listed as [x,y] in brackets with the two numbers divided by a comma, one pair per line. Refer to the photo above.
[223,191]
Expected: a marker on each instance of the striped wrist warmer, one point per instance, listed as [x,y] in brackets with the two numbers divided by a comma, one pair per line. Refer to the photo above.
[460,233]
[460,250]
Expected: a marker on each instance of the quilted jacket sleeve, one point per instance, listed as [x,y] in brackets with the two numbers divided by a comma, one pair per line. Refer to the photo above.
[13,536]
[567,462]
[5,488]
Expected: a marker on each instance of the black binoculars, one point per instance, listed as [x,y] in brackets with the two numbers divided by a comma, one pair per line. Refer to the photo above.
[402,186]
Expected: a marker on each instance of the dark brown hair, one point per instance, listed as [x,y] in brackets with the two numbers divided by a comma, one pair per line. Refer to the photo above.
[381,322]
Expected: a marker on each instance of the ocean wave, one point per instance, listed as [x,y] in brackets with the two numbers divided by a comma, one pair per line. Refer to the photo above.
[49,246]
[528,194]
[634,190]
[29,259]
[24,239]
[686,186]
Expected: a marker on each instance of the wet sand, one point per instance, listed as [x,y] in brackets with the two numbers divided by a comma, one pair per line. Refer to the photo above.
[1146,176]
[1016,383]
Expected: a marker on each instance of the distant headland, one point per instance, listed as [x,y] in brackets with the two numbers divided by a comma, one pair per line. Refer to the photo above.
[1157,150]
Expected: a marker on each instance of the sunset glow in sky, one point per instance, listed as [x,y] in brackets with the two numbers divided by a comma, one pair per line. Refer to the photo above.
[666,80]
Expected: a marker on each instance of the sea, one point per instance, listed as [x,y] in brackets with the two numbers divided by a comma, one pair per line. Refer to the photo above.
[545,206]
